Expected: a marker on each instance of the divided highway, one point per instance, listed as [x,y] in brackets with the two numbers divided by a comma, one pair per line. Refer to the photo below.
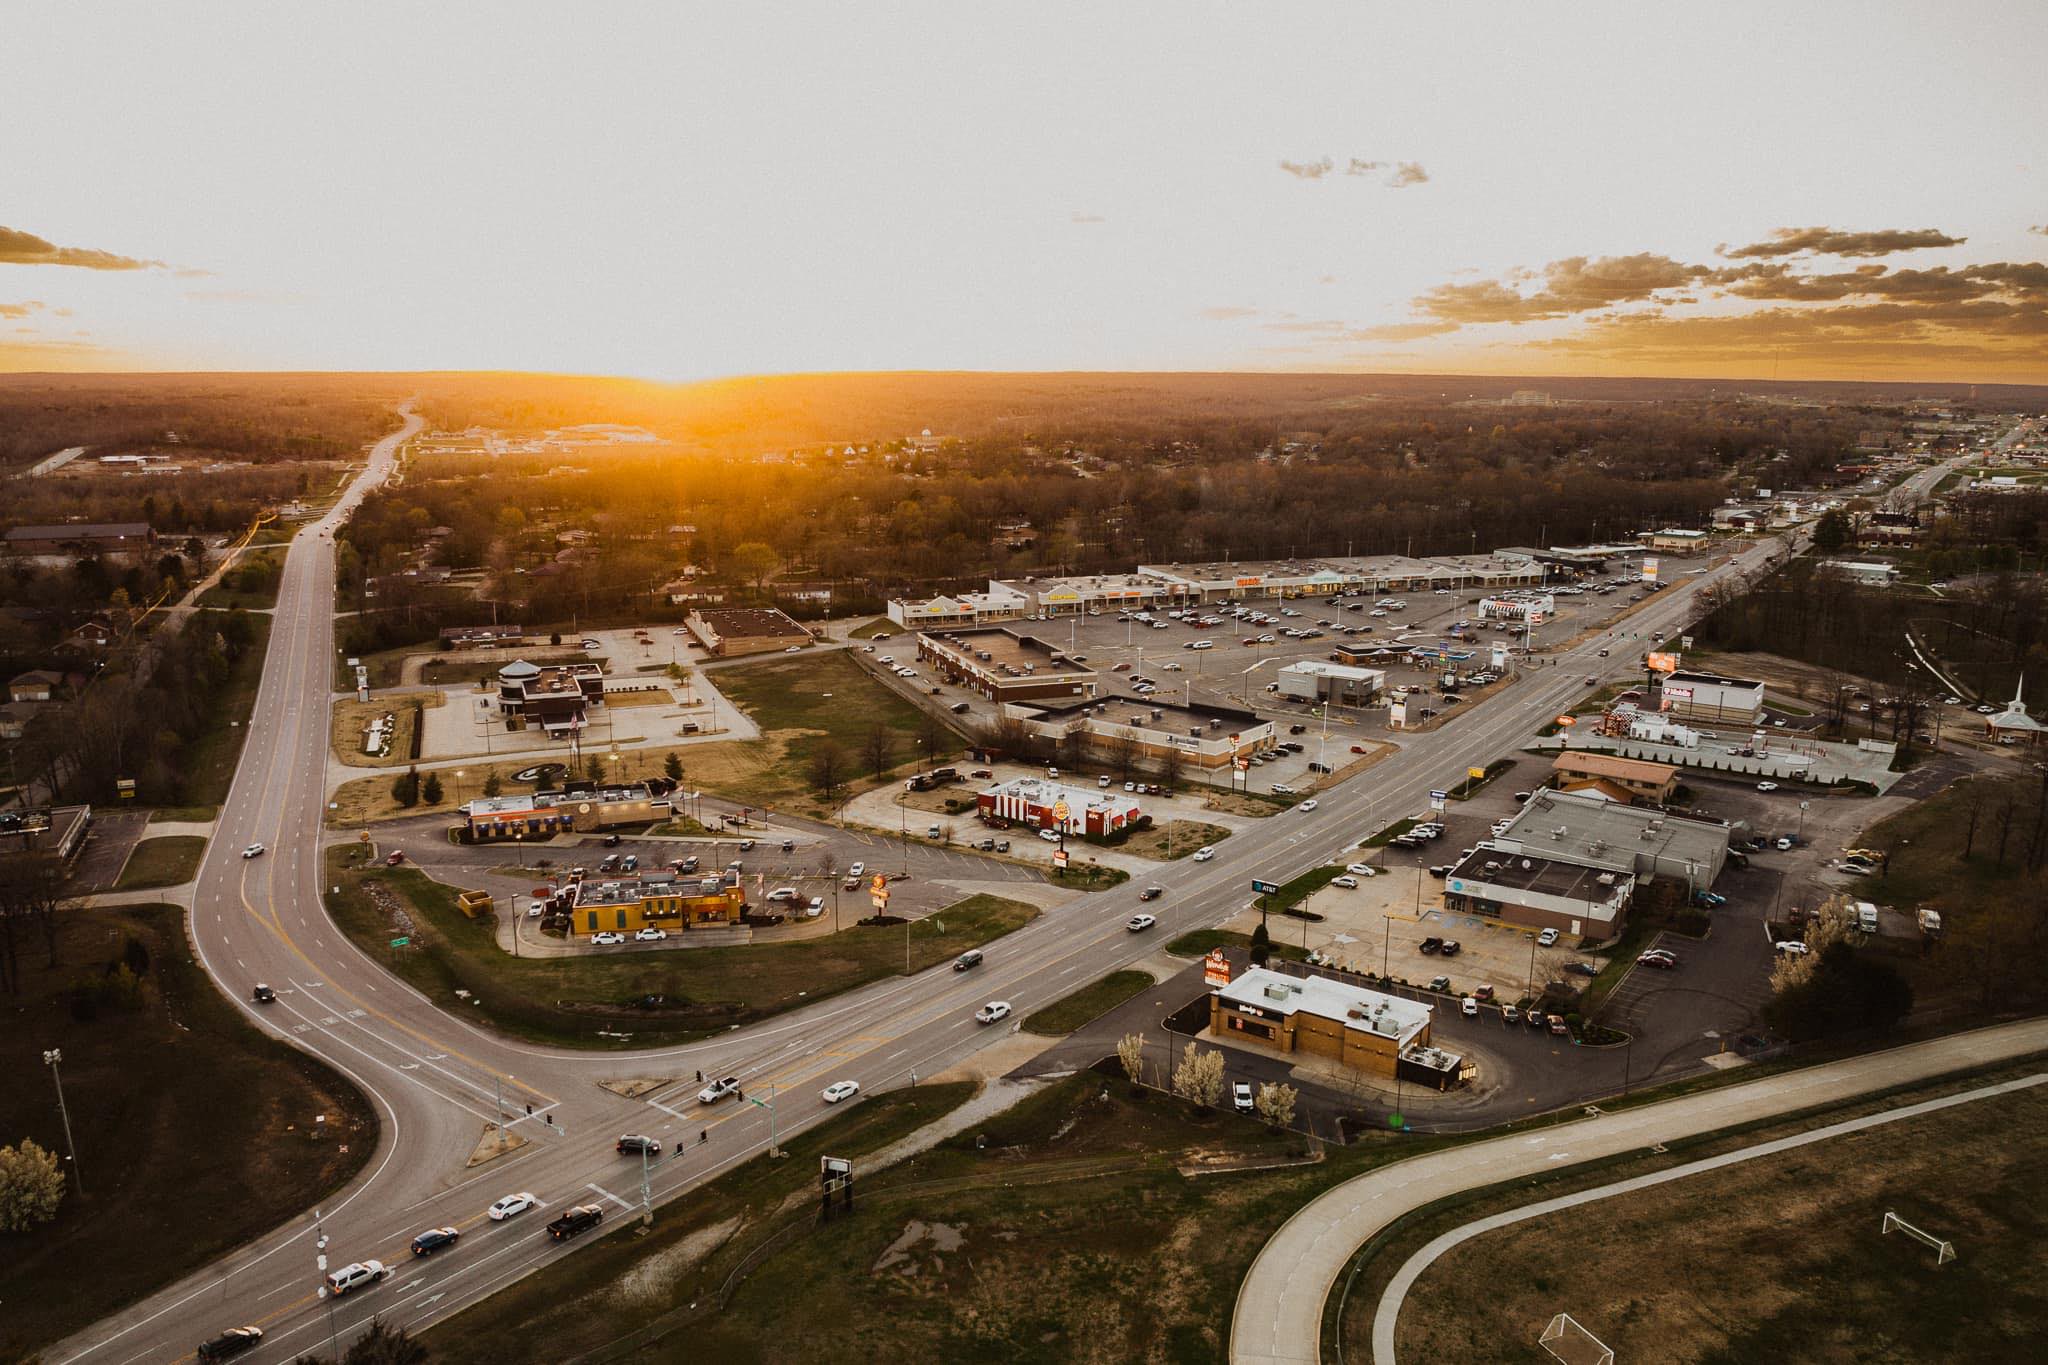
[436,1081]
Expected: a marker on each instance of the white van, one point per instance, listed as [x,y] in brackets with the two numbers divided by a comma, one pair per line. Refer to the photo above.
[1866,917]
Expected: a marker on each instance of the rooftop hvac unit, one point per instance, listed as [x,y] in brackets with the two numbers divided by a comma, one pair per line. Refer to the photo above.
[1526,864]
[1157,713]
[1280,990]
[1605,879]
[1559,832]
[1493,865]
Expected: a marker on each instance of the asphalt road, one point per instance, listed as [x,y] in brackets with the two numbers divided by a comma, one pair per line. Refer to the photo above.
[436,1081]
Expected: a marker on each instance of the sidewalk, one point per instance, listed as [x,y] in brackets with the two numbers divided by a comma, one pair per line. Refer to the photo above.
[1280,1304]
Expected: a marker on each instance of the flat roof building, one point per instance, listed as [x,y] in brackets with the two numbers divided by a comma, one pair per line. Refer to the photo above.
[679,905]
[1045,804]
[1315,1014]
[1582,897]
[1339,684]
[542,815]
[1651,843]
[1005,665]
[728,632]
[1696,697]
[946,611]
[554,698]
[107,537]
[1206,737]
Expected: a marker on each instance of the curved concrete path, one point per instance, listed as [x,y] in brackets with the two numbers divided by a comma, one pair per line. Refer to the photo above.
[1280,1304]
[1388,1314]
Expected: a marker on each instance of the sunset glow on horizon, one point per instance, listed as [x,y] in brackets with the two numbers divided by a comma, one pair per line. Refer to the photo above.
[681,192]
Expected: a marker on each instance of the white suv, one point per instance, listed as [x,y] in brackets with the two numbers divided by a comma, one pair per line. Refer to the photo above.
[355,1276]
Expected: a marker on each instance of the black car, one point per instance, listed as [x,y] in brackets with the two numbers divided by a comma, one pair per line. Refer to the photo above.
[1582,969]
[263,995]
[1151,893]
[1451,947]
[633,1144]
[433,1239]
[1432,945]
[579,1219]
[232,1342]
[611,841]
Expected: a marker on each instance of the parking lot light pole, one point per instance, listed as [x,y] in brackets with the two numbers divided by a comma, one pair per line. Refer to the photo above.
[51,1059]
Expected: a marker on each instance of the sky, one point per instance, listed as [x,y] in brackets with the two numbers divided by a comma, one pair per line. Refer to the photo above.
[683,191]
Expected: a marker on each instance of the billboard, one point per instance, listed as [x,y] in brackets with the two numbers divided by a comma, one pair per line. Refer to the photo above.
[1662,662]
[1216,968]
[1649,568]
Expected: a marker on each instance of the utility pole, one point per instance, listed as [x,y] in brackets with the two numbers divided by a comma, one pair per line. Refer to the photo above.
[326,1290]
[51,1058]
[646,1195]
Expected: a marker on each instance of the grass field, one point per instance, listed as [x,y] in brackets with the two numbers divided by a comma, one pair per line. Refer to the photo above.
[1173,840]
[799,701]
[1775,1259]
[1087,877]
[1256,805]
[195,1131]
[166,861]
[1087,1004]
[1198,942]
[350,716]
[210,759]
[1004,1252]
[569,1000]
[166,815]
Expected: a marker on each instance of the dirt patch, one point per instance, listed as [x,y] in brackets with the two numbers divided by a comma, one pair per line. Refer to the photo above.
[1240,803]
[652,1282]
[634,1089]
[920,1250]
[659,696]
[494,1143]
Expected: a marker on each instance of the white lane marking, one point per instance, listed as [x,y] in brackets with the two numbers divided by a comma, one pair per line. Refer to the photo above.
[609,1195]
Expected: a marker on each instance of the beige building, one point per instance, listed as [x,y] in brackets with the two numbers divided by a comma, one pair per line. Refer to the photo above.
[1644,782]
[1347,1024]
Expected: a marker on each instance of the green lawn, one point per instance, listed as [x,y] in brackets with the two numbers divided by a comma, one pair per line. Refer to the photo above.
[875,629]
[1198,942]
[1087,1004]
[569,1000]
[1088,877]
[195,1130]
[210,759]
[165,861]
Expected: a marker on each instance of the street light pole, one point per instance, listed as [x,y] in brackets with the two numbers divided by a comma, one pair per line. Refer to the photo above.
[515,924]
[51,1058]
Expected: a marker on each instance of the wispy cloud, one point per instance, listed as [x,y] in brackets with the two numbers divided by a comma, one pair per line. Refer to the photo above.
[1086,218]
[1308,170]
[1228,312]
[2042,230]
[25,248]
[20,310]
[1822,241]
[1397,175]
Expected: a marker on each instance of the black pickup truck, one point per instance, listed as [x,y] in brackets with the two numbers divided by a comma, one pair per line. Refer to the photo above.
[579,1219]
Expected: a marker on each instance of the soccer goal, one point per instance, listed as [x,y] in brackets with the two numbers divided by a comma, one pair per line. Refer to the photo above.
[1567,1340]
[1944,1251]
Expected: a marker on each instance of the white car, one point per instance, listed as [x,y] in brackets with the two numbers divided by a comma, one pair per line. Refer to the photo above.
[650,934]
[815,908]
[606,939]
[1766,786]
[840,1090]
[253,851]
[857,870]
[1309,804]
[782,893]
[1202,644]
[1359,869]
[1204,854]
[1138,924]
[1792,947]
[356,1276]
[794,649]
[718,1090]
[1051,836]
[1469,1007]
[992,1011]
[1348,883]
[512,1205]
[1546,938]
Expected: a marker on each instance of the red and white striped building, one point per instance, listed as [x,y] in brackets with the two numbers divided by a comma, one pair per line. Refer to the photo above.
[1045,804]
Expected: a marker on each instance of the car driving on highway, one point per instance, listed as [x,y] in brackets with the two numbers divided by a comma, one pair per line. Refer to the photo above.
[434,1239]
[993,1011]
[1138,924]
[512,1205]
[229,1344]
[839,1090]
[253,851]
[718,1090]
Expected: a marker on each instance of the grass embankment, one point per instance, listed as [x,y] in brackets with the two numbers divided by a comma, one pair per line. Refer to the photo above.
[1198,942]
[1751,1235]
[1255,805]
[799,702]
[570,1000]
[165,861]
[1472,786]
[1173,840]
[1087,877]
[195,1131]
[1037,1272]
[1390,833]
[210,759]
[1087,1004]
[879,628]
[171,815]
[351,719]
[251,582]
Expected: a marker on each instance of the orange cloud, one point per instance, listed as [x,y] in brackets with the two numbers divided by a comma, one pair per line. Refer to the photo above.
[1821,241]
[25,248]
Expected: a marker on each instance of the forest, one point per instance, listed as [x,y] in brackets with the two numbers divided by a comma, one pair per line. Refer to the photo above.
[593,530]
